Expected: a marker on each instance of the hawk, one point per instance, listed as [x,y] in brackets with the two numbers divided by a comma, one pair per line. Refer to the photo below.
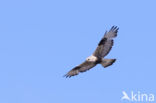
[103,48]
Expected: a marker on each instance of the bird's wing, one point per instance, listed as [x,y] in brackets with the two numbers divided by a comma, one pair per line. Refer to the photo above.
[106,43]
[81,68]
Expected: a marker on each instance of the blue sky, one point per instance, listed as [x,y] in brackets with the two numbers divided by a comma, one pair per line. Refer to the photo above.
[41,40]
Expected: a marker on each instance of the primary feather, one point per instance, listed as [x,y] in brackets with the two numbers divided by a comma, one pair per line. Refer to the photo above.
[81,68]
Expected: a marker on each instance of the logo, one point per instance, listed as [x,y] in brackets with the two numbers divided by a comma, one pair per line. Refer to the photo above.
[137,97]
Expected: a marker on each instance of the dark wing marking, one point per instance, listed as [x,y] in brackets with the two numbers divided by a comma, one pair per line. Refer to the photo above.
[81,68]
[106,43]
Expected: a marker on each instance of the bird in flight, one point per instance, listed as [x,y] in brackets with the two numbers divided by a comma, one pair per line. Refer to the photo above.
[103,48]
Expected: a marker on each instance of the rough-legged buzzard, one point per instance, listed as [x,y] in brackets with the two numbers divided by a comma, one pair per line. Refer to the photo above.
[97,57]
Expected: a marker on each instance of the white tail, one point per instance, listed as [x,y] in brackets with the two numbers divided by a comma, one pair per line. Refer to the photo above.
[107,62]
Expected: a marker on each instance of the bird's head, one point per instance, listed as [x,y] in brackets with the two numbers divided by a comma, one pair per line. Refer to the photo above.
[91,58]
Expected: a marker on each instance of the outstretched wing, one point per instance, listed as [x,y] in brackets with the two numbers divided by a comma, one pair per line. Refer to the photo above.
[81,68]
[106,43]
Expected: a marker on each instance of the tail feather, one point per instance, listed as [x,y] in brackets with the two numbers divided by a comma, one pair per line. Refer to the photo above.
[107,62]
